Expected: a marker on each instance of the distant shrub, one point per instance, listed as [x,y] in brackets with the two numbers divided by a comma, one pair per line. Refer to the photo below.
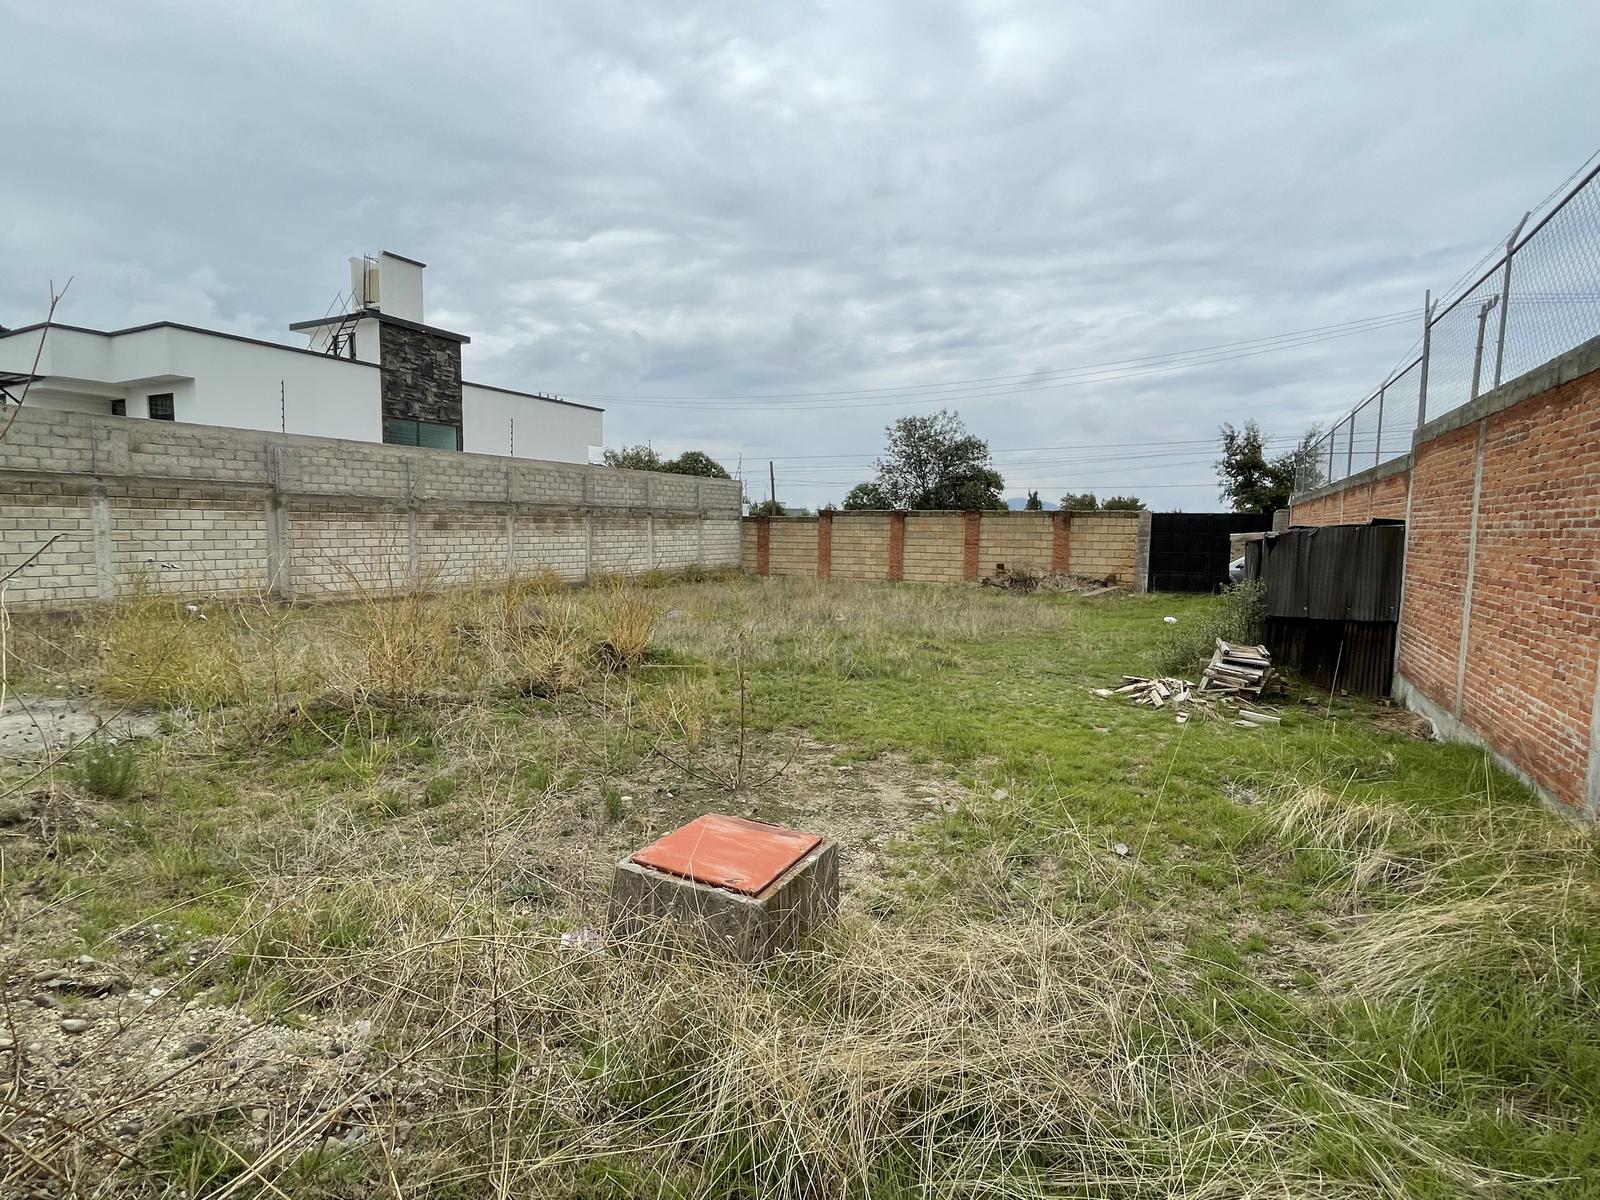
[1238,615]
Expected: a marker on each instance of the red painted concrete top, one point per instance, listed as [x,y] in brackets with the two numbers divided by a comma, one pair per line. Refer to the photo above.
[728,852]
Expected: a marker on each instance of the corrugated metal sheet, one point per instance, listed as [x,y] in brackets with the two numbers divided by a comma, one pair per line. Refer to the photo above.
[1333,601]
[1334,572]
[1355,656]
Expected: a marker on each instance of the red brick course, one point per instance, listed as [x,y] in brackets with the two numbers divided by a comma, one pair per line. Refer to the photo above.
[1060,541]
[824,545]
[969,547]
[897,546]
[763,546]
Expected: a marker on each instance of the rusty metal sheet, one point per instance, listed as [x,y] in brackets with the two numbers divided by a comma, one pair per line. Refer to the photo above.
[728,852]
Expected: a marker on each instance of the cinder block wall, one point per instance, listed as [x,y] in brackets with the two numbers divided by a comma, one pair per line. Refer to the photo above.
[121,503]
[1500,621]
[948,547]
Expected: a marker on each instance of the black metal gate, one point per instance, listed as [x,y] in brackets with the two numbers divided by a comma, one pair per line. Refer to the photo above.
[1189,551]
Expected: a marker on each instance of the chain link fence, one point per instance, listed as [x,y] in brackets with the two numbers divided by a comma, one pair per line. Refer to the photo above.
[1538,300]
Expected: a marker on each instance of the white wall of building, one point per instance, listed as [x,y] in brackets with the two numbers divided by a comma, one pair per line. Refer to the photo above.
[400,287]
[214,379]
[500,422]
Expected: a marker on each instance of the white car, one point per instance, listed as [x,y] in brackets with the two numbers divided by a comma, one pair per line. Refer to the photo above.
[1235,570]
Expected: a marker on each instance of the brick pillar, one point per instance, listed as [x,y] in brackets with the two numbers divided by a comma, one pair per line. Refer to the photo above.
[824,545]
[897,547]
[969,547]
[763,545]
[1060,542]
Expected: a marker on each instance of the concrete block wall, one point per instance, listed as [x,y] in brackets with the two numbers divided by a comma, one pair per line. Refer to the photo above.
[1500,616]
[192,509]
[947,547]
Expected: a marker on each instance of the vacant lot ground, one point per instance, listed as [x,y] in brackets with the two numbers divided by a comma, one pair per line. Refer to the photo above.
[305,937]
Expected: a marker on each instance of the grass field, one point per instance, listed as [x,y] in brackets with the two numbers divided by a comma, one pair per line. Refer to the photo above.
[306,940]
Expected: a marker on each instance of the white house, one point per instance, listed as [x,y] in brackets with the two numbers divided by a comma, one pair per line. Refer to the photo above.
[374,371]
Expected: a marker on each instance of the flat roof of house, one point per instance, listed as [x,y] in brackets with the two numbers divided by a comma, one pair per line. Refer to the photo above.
[232,337]
[489,387]
[377,314]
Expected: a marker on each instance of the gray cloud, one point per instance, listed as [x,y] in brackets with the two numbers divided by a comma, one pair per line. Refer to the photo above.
[665,201]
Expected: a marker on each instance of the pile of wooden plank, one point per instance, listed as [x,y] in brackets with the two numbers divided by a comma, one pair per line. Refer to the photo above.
[1237,670]
[1156,692]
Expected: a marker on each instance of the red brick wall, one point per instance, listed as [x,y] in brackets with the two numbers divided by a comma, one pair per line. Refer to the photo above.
[1436,562]
[1356,505]
[1533,638]
[1534,643]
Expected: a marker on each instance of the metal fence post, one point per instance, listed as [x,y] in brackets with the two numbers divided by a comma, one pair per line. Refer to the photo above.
[1377,450]
[1505,297]
[1427,343]
[1350,446]
[1477,354]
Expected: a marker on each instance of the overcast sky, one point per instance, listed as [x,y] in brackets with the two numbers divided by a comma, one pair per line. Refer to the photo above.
[745,219]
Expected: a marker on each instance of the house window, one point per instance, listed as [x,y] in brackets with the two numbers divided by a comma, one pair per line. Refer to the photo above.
[431,434]
[119,407]
[161,408]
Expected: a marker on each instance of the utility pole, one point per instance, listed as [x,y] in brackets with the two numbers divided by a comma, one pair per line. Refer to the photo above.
[772,482]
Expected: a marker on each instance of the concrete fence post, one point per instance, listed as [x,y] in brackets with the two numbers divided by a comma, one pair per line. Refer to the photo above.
[1141,554]
[824,545]
[105,556]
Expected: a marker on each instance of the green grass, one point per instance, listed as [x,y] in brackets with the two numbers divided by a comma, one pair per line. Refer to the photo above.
[1335,960]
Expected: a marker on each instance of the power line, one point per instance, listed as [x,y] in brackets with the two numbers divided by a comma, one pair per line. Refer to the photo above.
[945,398]
[1378,321]
[925,394]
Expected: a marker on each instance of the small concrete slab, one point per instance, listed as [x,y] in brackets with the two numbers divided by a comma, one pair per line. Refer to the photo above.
[33,725]
[798,888]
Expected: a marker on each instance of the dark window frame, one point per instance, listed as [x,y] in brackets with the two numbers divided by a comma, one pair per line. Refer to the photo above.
[406,431]
[119,407]
[165,403]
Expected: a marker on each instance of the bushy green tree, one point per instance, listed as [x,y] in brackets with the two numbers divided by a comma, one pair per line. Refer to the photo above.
[633,458]
[1251,481]
[1122,503]
[645,458]
[931,461]
[1080,502]
[768,508]
[696,462]
[865,496]
[1033,503]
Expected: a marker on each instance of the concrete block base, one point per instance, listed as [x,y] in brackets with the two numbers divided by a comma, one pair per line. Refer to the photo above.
[745,928]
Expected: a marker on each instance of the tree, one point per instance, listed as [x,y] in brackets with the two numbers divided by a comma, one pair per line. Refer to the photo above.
[768,508]
[1079,502]
[1122,504]
[1251,481]
[645,458]
[933,462]
[865,496]
[1033,503]
[633,458]
[696,462]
